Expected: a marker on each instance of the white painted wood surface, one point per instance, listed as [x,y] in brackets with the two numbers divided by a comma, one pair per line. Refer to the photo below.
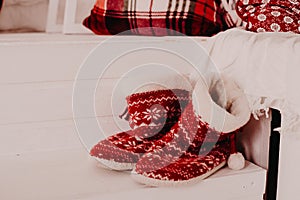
[41,155]
[288,171]
[72,174]
[72,26]
[253,141]
[42,101]
[52,25]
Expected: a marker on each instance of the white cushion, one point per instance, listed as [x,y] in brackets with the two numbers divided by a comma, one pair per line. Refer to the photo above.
[24,15]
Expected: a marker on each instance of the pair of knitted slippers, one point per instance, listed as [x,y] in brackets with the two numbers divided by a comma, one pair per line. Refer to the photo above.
[177,136]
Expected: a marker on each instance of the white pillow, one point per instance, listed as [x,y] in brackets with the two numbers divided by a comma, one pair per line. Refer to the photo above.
[24,15]
[22,2]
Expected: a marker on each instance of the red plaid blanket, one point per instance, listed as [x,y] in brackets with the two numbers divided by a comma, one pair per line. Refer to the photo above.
[190,17]
[270,15]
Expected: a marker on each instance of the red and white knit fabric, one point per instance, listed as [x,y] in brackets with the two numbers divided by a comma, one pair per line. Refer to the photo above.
[190,17]
[270,15]
[193,152]
[161,107]
[152,114]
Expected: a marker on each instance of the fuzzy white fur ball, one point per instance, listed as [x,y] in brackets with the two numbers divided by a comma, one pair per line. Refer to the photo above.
[236,161]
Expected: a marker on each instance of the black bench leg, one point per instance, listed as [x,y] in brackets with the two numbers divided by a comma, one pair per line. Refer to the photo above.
[272,174]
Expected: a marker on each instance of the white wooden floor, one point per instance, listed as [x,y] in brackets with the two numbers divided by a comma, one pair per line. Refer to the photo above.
[72,174]
[41,156]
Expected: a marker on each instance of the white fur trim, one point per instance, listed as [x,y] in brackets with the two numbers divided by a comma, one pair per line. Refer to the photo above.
[228,110]
[163,82]
[236,161]
[112,165]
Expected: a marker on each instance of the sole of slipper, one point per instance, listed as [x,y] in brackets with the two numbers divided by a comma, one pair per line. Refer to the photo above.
[158,183]
[112,165]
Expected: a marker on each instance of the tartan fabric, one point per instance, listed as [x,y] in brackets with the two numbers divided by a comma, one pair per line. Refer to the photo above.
[189,17]
[270,15]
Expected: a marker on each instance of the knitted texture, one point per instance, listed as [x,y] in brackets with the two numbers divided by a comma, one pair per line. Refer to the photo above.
[182,170]
[190,17]
[144,109]
[193,151]
[156,107]
[270,15]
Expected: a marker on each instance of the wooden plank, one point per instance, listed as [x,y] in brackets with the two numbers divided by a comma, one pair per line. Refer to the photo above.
[288,171]
[30,137]
[42,101]
[144,62]
[72,174]
[36,63]
[58,58]
[37,102]
[61,174]
[253,141]
[53,135]
[36,38]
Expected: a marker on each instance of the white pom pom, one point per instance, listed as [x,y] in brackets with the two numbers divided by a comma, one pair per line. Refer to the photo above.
[236,161]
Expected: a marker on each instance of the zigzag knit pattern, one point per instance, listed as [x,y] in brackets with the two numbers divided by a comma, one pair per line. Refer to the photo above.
[168,168]
[161,109]
[156,107]
[193,150]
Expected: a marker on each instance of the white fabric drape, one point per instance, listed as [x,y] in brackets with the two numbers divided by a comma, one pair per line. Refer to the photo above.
[266,66]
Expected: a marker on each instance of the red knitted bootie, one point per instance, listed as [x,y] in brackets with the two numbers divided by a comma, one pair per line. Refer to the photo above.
[196,149]
[151,115]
